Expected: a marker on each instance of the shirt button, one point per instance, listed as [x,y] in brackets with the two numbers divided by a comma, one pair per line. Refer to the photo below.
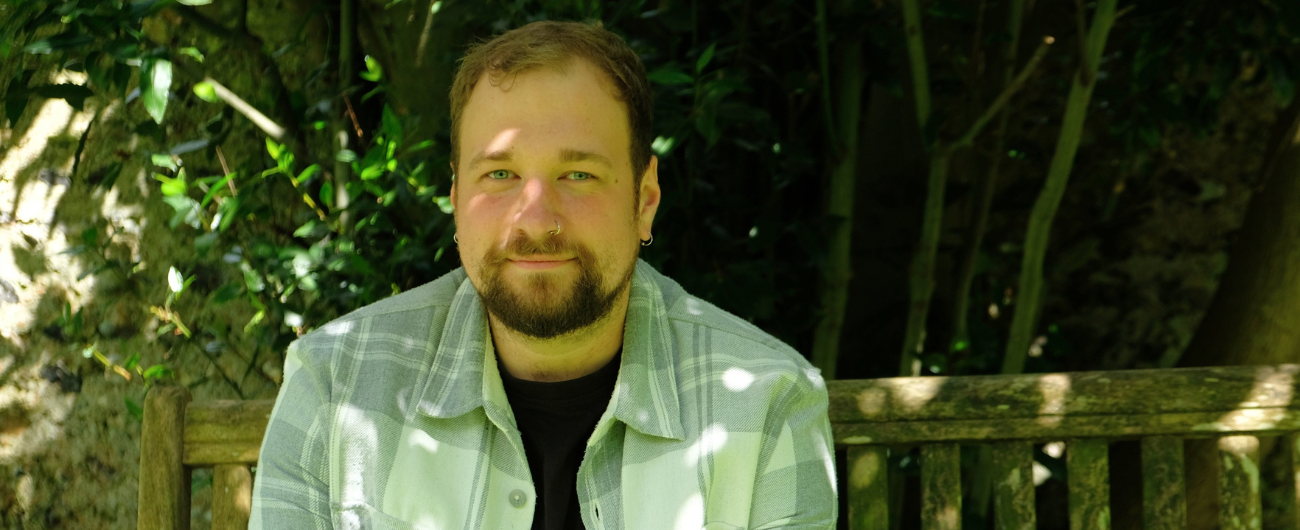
[517,498]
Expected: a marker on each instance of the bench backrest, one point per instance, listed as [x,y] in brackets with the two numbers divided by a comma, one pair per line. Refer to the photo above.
[1006,414]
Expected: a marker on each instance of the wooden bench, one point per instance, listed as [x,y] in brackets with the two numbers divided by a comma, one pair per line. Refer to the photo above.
[1085,410]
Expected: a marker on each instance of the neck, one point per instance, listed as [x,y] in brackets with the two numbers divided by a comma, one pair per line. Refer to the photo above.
[561,358]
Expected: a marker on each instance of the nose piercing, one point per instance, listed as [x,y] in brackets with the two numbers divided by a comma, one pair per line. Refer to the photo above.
[557,230]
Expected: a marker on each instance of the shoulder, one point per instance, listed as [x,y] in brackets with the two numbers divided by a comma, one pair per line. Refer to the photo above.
[412,313]
[735,348]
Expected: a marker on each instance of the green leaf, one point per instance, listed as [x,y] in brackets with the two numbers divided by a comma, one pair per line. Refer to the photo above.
[134,408]
[216,188]
[63,41]
[132,361]
[704,59]
[274,149]
[204,243]
[172,187]
[190,50]
[392,127]
[327,194]
[670,75]
[158,371]
[253,281]
[226,293]
[155,82]
[227,211]
[206,92]
[163,160]
[444,204]
[310,172]
[373,70]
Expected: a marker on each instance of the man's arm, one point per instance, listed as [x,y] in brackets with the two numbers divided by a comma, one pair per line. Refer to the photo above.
[291,489]
[796,489]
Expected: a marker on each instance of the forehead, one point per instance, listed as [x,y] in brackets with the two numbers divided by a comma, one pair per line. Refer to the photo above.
[544,111]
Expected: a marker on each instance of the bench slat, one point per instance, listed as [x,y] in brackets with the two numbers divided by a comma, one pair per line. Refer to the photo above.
[1075,393]
[1291,488]
[1049,428]
[1013,496]
[868,488]
[941,487]
[1088,467]
[1164,491]
[1239,483]
[164,502]
[232,497]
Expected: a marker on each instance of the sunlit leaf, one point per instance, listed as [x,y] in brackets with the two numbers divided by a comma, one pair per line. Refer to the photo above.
[206,92]
[373,70]
[155,82]
[190,50]
[175,280]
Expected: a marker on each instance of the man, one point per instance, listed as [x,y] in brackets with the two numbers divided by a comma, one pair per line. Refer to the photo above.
[555,381]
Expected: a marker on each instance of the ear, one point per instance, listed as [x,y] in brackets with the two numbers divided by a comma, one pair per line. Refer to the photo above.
[650,195]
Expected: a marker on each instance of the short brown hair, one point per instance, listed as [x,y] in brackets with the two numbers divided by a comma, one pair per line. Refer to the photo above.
[551,44]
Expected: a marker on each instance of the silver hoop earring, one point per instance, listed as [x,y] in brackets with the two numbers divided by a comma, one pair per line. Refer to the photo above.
[557,230]
[456,238]
[647,242]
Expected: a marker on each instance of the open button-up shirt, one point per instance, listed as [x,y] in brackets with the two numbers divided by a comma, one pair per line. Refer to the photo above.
[394,417]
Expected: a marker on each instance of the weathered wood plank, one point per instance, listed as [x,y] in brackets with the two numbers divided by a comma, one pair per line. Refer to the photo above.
[1239,483]
[1013,486]
[1088,466]
[163,503]
[1164,492]
[868,487]
[203,455]
[1051,427]
[232,497]
[227,421]
[1088,393]
[941,487]
[1291,488]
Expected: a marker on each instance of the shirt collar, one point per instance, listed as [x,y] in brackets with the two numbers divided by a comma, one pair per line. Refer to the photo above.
[463,375]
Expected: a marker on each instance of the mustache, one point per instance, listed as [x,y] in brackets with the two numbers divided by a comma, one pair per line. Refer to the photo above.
[523,246]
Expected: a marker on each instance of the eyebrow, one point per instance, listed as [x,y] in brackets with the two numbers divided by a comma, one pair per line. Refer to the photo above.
[566,156]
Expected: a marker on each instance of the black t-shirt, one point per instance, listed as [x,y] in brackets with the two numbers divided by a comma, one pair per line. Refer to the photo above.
[555,419]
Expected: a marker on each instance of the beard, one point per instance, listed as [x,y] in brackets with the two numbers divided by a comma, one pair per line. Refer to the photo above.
[542,307]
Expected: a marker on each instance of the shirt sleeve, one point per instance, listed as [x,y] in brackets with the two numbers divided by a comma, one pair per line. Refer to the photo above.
[796,488]
[291,488]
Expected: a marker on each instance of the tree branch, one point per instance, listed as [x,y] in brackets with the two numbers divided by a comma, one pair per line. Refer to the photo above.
[1010,90]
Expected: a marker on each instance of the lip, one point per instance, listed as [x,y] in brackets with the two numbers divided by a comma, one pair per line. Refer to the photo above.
[539,264]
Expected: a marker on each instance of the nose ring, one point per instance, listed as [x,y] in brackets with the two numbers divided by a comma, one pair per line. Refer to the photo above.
[557,230]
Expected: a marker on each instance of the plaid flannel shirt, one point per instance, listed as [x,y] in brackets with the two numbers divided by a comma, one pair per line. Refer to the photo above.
[394,417]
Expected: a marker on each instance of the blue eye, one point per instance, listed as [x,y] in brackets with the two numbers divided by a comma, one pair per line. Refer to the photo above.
[578,175]
[499,174]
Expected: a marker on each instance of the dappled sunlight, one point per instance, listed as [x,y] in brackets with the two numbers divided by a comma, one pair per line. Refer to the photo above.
[691,514]
[917,392]
[711,441]
[1055,389]
[737,379]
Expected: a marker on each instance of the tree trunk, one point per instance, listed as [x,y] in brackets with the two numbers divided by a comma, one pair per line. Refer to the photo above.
[844,156]
[1255,315]
[411,40]
[1029,297]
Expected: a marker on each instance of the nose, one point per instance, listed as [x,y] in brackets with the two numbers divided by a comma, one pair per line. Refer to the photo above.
[537,210]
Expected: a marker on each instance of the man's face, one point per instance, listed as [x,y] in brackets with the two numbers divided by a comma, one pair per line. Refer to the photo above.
[549,153]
